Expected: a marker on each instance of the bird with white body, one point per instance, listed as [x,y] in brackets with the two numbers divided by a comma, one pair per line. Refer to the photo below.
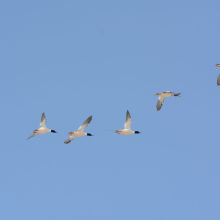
[127,130]
[164,95]
[79,132]
[43,129]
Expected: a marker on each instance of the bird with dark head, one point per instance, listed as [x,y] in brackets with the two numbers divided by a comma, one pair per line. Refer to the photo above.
[80,132]
[43,129]
[127,126]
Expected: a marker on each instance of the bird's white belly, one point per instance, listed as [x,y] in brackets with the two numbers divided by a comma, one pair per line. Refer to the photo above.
[125,132]
[43,130]
[165,95]
[79,134]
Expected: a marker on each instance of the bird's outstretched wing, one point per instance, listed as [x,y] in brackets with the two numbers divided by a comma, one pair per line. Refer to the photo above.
[160,103]
[86,122]
[128,120]
[67,141]
[43,121]
[218,80]
[33,135]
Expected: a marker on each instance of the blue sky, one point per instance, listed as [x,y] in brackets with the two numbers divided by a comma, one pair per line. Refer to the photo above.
[74,59]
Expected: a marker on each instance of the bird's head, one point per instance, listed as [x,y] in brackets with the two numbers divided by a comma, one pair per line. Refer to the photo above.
[88,134]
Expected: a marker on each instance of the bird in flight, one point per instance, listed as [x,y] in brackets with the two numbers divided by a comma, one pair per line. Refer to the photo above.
[43,129]
[127,130]
[218,79]
[79,132]
[162,96]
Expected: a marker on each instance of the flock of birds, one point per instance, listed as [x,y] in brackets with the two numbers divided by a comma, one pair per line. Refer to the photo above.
[127,126]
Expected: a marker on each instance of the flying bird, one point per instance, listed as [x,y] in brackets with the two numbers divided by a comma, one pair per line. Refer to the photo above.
[218,79]
[79,132]
[162,96]
[127,130]
[43,129]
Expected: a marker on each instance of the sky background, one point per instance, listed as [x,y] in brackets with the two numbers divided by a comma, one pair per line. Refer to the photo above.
[73,59]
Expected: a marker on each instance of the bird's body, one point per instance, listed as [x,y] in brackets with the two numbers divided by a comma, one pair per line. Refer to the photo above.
[43,129]
[124,131]
[127,130]
[79,132]
[162,96]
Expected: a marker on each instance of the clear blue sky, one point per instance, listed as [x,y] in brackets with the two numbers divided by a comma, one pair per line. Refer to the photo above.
[74,59]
